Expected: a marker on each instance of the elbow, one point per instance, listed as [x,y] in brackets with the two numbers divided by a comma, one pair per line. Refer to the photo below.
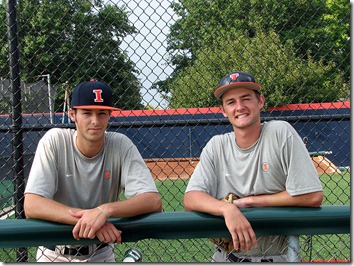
[159,207]
[158,204]
[317,199]
[31,206]
[186,203]
[187,209]
[186,206]
[27,210]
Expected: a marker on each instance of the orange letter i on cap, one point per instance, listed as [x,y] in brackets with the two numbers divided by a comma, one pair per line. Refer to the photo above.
[98,96]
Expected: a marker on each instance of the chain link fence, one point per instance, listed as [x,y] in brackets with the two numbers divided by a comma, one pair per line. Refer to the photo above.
[163,59]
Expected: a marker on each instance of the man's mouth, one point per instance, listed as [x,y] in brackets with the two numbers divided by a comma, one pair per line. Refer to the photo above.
[241,116]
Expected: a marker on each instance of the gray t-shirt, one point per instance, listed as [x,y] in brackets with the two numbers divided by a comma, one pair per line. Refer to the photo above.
[278,161]
[62,173]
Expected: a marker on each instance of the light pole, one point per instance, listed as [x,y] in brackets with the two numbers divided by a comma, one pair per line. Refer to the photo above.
[51,113]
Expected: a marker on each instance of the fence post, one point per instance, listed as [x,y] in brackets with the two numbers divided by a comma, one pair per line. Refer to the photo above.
[17,141]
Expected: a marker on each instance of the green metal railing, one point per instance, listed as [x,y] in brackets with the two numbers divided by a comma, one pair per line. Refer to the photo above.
[288,221]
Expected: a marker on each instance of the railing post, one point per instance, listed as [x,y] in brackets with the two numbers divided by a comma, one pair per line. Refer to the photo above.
[294,249]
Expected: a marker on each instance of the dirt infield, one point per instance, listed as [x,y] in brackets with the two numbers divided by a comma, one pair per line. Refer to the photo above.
[171,168]
[182,168]
[324,165]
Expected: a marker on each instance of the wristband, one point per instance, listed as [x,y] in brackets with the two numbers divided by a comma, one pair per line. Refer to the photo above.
[103,211]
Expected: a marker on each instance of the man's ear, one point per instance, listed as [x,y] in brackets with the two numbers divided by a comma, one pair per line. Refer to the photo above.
[261,102]
[72,115]
[223,111]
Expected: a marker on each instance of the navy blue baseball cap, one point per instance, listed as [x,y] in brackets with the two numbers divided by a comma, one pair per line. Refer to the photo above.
[236,80]
[92,95]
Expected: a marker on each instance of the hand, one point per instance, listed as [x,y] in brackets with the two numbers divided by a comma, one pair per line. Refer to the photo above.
[243,202]
[90,221]
[240,229]
[108,233]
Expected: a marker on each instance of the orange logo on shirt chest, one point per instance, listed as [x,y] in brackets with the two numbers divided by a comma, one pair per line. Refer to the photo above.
[107,174]
[265,167]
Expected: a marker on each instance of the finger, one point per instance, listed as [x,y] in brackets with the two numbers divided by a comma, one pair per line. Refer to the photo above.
[76,231]
[100,236]
[253,238]
[84,231]
[114,233]
[236,242]
[247,241]
[119,237]
[241,240]
[110,235]
[91,233]
[107,238]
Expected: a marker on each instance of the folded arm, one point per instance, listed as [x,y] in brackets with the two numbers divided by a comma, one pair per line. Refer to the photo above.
[39,207]
[90,221]
[281,199]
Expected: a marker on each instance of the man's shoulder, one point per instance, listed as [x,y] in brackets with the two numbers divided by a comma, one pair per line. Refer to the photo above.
[277,125]
[57,132]
[224,136]
[278,128]
[113,137]
[221,139]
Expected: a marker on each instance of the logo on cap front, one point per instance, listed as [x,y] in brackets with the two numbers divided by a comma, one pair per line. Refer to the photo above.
[98,96]
[234,76]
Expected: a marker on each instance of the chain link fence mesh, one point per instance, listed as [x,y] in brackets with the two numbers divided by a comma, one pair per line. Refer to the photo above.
[163,59]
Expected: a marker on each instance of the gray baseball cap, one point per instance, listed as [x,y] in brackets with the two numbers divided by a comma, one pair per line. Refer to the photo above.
[236,79]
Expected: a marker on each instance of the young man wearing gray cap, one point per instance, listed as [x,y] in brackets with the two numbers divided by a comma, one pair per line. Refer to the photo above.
[262,164]
[77,176]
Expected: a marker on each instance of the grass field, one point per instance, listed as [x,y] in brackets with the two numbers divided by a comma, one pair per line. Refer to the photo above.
[319,247]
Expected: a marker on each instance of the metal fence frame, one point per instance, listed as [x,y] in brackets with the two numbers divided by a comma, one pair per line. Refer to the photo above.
[17,128]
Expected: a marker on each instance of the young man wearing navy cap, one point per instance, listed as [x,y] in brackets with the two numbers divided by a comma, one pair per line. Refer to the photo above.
[78,175]
[262,164]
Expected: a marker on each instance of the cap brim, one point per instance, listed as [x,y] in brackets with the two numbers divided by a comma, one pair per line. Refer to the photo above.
[248,85]
[97,107]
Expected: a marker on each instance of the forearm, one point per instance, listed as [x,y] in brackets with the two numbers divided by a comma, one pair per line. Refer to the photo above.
[139,204]
[281,199]
[203,202]
[38,207]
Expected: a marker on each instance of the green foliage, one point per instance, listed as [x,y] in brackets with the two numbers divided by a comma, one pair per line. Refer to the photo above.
[284,77]
[312,34]
[75,41]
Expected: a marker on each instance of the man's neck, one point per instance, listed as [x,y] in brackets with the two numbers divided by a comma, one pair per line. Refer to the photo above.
[89,149]
[247,137]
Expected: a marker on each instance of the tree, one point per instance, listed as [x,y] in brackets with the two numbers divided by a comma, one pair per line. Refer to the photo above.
[319,30]
[74,41]
[283,76]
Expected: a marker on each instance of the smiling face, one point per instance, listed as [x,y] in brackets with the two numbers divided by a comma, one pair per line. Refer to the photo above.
[242,107]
